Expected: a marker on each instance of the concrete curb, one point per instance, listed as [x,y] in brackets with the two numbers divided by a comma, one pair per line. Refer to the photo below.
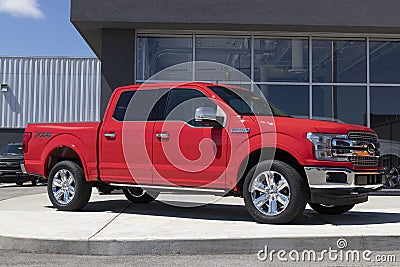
[386,192]
[195,247]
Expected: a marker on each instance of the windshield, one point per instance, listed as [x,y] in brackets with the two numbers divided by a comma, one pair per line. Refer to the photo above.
[12,150]
[245,102]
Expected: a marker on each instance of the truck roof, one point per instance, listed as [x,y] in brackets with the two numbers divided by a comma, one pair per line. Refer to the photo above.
[149,86]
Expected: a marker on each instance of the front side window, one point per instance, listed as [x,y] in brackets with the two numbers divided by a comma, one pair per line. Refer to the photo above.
[245,102]
[182,105]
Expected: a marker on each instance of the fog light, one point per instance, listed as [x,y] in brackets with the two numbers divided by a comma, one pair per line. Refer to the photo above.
[336,177]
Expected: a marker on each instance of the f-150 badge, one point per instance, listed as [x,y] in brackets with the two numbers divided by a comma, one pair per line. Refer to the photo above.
[240,130]
[42,135]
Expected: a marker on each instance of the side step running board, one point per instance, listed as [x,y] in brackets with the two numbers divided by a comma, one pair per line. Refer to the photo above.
[191,190]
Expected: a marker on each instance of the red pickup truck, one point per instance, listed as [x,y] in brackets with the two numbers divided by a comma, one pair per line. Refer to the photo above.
[204,138]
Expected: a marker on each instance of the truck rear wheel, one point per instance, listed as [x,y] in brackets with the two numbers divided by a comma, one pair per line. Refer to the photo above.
[274,192]
[67,187]
[330,210]
[138,195]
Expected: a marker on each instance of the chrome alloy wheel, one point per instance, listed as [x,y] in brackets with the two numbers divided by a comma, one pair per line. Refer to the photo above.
[270,193]
[63,186]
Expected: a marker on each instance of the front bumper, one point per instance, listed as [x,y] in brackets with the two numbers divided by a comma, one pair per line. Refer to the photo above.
[338,186]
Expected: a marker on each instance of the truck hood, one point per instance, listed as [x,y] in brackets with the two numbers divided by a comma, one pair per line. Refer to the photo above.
[288,124]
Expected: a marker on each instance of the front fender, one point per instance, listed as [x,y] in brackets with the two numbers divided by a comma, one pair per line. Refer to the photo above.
[298,148]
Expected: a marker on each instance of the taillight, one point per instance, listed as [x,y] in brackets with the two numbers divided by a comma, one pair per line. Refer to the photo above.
[27,137]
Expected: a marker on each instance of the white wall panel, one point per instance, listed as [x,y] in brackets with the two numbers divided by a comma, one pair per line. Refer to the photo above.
[49,90]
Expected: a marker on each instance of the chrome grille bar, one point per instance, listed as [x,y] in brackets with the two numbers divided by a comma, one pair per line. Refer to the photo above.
[363,137]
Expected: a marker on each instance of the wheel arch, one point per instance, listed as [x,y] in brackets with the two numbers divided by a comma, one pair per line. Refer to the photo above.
[262,154]
[63,147]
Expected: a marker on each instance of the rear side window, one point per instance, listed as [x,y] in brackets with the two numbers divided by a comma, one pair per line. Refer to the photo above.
[141,105]
[122,105]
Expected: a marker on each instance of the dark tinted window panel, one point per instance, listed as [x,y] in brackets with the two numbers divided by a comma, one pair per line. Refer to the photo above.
[280,60]
[155,54]
[291,99]
[344,103]
[339,61]
[233,52]
[384,62]
[141,105]
[385,113]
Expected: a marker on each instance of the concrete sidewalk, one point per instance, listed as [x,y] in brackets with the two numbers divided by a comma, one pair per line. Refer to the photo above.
[110,225]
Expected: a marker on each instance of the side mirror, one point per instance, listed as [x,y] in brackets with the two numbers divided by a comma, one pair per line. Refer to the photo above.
[207,116]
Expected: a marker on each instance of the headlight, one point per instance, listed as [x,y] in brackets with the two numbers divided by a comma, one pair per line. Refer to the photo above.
[323,146]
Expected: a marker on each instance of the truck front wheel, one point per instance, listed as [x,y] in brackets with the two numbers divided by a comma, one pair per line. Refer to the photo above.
[274,192]
[67,187]
[330,210]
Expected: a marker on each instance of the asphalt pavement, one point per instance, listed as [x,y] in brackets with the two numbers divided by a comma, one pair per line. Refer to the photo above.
[111,231]
[111,225]
[8,190]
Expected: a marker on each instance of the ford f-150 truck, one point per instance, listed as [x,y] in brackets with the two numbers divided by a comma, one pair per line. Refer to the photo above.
[205,138]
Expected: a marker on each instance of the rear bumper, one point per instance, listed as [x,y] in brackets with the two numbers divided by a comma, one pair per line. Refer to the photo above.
[338,186]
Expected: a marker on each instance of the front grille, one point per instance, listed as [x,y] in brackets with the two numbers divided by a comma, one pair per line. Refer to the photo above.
[364,161]
[9,165]
[363,137]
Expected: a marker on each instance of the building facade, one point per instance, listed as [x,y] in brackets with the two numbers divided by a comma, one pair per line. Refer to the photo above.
[334,59]
[44,89]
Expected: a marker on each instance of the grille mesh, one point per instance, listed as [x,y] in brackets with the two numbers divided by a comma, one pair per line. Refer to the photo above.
[364,161]
[363,137]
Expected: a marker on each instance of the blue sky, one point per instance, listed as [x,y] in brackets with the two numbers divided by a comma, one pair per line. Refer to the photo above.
[39,28]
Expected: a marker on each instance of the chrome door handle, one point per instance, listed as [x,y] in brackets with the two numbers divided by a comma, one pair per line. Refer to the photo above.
[162,135]
[110,135]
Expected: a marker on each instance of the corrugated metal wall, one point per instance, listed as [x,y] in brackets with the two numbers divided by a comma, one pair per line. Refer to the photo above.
[49,90]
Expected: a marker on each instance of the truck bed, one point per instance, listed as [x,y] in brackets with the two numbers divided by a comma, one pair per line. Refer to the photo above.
[81,137]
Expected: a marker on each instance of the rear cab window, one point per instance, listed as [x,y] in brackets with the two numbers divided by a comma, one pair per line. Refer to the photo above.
[141,105]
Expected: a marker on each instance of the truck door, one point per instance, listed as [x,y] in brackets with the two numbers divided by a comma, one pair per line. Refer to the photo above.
[126,138]
[186,153]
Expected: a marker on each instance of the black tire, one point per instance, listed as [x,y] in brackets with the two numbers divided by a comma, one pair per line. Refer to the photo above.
[82,188]
[19,183]
[330,210]
[138,195]
[34,182]
[297,188]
